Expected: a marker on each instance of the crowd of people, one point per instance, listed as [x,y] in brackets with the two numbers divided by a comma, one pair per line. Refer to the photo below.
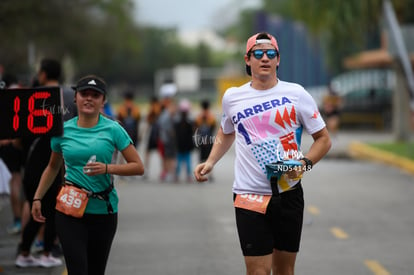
[170,128]
[174,131]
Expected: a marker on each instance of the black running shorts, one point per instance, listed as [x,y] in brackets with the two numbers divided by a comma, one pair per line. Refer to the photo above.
[12,157]
[280,228]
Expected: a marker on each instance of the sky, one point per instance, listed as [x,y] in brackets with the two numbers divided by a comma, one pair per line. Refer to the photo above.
[190,15]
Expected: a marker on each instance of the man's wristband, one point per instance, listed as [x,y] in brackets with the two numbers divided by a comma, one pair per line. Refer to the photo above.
[36,200]
[308,164]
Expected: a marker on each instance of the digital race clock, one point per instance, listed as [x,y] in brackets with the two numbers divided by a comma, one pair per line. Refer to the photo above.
[31,112]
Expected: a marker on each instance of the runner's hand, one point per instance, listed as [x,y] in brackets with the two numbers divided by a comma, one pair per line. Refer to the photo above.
[95,168]
[37,212]
[296,173]
[201,171]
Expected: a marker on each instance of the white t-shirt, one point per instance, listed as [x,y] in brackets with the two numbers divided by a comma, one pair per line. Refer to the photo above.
[268,125]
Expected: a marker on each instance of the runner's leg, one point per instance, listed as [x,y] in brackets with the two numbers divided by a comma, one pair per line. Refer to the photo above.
[283,262]
[258,265]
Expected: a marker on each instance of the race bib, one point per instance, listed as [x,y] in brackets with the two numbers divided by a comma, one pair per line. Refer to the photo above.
[72,201]
[253,202]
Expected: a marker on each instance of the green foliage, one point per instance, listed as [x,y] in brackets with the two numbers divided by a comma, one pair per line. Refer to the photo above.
[344,26]
[402,149]
[100,37]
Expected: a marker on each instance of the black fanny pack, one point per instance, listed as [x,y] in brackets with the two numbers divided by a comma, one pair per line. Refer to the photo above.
[102,195]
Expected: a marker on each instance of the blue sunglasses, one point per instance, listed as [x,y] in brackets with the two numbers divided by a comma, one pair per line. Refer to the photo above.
[271,53]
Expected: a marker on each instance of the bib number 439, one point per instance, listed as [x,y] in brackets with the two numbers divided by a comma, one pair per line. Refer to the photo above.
[72,201]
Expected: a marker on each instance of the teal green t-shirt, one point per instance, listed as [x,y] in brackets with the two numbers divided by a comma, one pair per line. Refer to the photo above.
[78,144]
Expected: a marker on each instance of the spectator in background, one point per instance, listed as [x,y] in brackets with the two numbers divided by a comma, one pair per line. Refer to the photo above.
[205,124]
[167,139]
[107,110]
[204,138]
[184,129]
[152,130]
[129,115]
[331,111]
[12,153]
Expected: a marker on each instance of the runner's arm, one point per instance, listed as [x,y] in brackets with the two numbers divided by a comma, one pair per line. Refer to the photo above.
[46,180]
[134,165]
[49,175]
[221,145]
[320,146]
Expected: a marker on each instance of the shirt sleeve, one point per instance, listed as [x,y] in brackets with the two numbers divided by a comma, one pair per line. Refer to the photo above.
[121,137]
[55,144]
[309,114]
[226,123]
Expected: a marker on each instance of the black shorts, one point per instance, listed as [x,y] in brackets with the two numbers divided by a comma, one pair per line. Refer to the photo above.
[170,150]
[152,145]
[12,157]
[280,228]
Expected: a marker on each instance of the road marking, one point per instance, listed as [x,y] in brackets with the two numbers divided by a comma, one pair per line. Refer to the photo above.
[376,267]
[313,210]
[339,233]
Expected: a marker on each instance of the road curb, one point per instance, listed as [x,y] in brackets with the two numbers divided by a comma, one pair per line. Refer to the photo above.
[363,151]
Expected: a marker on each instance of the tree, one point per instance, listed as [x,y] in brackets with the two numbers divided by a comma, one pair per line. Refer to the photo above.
[99,37]
[346,26]
[94,33]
